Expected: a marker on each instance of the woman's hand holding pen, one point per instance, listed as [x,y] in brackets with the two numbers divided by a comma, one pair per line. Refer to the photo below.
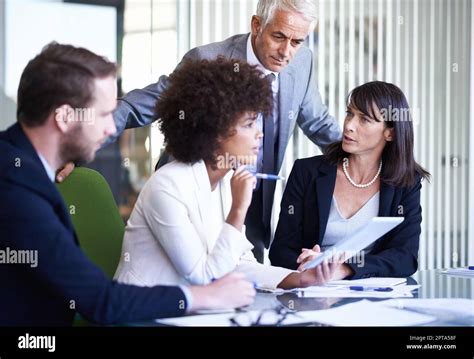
[242,184]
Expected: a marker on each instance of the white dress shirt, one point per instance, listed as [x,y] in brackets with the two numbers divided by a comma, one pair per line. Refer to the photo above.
[47,167]
[339,227]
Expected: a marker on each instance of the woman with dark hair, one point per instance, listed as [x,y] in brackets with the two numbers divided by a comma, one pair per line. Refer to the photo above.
[187,226]
[371,172]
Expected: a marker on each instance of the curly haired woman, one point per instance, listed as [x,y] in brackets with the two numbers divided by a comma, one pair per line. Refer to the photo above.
[187,225]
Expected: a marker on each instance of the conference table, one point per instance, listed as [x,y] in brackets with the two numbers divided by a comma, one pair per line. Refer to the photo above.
[434,284]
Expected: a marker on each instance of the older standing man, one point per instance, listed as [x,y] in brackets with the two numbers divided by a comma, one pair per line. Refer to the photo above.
[275,45]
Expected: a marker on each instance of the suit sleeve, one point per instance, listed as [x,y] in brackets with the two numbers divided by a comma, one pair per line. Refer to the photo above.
[397,254]
[137,108]
[66,271]
[288,241]
[314,119]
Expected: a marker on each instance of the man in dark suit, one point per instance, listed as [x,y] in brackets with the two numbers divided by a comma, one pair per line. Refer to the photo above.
[66,98]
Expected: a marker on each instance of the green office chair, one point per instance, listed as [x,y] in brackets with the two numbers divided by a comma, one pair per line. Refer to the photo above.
[95,217]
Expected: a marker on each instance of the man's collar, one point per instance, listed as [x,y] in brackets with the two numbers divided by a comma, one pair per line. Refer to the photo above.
[47,167]
[253,60]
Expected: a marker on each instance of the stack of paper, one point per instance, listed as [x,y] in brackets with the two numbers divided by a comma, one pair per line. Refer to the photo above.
[272,290]
[460,272]
[370,282]
[364,313]
[209,320]
[376,287]
[399,291]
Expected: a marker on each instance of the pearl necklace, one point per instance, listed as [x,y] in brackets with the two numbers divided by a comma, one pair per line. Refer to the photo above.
[345,164]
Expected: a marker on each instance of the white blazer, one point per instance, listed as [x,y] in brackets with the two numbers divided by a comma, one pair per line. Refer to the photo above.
[167,238]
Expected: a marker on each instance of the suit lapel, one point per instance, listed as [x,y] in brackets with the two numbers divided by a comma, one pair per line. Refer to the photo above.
[226,194]
[325,183]
[202,188]
[387,193]
[202,193]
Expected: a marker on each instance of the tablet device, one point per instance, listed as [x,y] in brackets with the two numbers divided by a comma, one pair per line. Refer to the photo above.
[365,236]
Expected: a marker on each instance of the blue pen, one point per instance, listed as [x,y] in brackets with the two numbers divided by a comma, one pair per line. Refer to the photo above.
[268,176]
[360,288]
[470,267]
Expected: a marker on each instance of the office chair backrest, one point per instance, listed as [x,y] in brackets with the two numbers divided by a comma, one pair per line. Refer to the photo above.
[95,217]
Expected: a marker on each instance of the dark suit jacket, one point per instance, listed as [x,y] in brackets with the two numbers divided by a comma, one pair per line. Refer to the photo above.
[33,216]
[310,189]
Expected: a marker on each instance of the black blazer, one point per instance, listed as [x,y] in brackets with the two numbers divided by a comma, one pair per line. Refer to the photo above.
[310,189]
[33,216]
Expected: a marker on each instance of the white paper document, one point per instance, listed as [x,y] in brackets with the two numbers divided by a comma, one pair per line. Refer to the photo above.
[209,320]
[460,272]
[215,311]
[273,290]
[362,238]
[400,291]
[445,309]
[366,313]
[370,282]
